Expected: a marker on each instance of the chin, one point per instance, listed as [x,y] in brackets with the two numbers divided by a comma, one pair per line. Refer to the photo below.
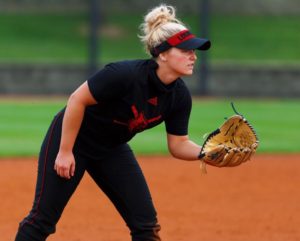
[189,72]
[186,72]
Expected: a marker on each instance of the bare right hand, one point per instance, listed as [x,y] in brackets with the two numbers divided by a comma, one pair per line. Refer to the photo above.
[65,164]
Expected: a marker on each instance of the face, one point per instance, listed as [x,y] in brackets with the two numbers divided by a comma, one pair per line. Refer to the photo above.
[180,61]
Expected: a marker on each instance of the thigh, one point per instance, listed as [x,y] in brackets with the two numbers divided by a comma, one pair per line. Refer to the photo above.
[52,192]
[119,175]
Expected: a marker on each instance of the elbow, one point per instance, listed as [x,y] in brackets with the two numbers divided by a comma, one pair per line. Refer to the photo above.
[176,146]
[175,155]
[173,152]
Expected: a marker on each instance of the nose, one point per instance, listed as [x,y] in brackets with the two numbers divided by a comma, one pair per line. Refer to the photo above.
[193,55]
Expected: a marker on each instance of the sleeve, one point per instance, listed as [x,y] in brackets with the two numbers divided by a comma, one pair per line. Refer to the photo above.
[178,120]
[109,83]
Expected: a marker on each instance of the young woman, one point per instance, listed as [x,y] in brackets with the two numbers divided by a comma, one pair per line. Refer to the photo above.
[103,114]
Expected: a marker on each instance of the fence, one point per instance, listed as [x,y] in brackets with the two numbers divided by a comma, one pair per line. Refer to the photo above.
[228,81]
[224,80]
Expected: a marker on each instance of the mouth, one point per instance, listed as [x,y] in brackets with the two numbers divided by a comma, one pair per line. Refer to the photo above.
[191,65]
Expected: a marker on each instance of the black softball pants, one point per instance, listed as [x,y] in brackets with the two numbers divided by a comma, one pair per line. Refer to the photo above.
[115,171]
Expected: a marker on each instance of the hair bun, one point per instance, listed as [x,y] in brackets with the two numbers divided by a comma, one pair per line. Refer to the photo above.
[158,16]
[159,24]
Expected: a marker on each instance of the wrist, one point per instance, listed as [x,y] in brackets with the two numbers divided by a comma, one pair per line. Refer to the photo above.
[201,154]
[65,149]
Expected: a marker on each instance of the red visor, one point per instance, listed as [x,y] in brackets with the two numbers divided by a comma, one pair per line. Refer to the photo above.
[182,40]
[180,37]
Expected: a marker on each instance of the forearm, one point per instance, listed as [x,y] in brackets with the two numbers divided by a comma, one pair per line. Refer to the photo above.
[71,123]
[183,148]
[74,113]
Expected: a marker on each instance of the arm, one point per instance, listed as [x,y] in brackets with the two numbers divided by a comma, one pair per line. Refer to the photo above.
[182,147]
[65,162]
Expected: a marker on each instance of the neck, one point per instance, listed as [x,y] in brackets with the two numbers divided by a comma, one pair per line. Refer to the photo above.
[165,74]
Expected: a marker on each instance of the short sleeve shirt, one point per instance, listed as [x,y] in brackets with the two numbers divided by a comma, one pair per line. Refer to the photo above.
[130,99]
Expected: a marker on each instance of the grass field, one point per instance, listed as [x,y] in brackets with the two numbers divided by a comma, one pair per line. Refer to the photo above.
[62,38]
[23,124]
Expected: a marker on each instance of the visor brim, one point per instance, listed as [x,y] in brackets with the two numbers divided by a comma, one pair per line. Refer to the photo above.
[195,43]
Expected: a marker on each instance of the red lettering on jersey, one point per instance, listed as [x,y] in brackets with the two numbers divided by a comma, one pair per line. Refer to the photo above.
[153,101]
[139,122]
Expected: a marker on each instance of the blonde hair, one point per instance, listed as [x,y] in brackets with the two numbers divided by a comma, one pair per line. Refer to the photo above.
[159,24]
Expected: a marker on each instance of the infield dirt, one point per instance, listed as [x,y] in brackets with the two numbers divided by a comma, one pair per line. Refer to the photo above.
[257,201]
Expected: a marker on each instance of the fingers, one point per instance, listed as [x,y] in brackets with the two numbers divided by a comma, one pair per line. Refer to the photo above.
[222,156]
[65,171]
[236,159]
[72,169]
[236,156]
[227,158]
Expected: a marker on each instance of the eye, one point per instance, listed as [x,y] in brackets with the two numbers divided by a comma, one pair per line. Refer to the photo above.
[185,50]
[188,51]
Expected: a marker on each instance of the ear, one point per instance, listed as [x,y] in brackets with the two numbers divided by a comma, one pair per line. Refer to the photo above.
[162,57]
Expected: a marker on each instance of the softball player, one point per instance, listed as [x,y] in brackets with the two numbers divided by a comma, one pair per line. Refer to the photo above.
[103,114]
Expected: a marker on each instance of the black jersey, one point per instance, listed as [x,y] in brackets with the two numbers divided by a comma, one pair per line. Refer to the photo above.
[130,99]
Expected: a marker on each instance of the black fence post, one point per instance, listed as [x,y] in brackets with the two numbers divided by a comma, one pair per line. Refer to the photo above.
[94,15]
[204,60]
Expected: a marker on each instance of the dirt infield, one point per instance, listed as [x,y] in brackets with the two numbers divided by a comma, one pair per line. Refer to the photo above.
[258,201]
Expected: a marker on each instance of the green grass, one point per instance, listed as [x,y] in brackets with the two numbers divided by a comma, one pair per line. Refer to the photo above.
[256,39]
[62,38]
[276,123]
[42,37]
[23,125]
